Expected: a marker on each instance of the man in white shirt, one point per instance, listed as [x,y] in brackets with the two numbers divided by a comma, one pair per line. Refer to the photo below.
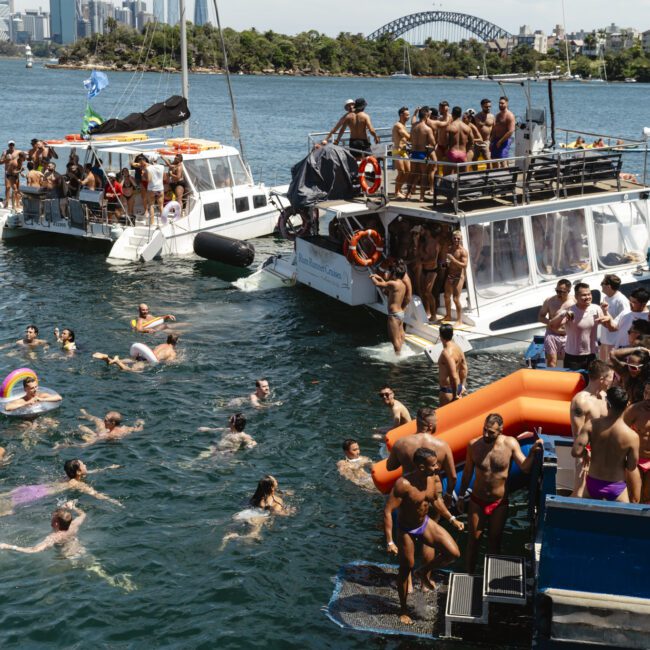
[156,188]
[638,306]
[617,304]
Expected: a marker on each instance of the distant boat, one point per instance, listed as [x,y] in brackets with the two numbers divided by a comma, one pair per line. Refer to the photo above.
[406,65]
[53,60]
[29,57]
[630,80]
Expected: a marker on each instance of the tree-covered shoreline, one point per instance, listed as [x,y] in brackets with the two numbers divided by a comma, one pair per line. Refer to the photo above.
[157,47]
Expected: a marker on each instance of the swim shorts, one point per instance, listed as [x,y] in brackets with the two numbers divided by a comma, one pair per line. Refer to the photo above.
[359,144]
[418,155]
[500,152]
[554,344]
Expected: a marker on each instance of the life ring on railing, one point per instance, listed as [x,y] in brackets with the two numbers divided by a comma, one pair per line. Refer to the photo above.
[73,137]
[369,160]
[353,247]
[171,211]
[286,226]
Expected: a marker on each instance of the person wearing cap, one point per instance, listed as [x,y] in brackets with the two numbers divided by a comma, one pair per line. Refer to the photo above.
[348,107]
[401,139]
[359,123]
[154,173]
[113,194]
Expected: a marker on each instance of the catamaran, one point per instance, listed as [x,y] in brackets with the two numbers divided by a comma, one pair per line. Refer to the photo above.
[405,72]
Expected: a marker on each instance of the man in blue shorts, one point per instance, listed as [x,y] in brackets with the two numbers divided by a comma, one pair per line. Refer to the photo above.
[502,132]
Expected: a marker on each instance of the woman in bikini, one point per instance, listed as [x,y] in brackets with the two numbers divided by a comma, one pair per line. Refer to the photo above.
[128,190]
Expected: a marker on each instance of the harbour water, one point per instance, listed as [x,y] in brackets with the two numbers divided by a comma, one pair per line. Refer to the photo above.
[324,362]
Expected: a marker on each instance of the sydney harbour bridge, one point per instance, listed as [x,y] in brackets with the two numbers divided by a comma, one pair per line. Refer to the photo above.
[439,26]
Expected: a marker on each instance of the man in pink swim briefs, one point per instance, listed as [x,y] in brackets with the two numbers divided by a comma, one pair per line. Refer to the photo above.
[555,338]
[458,138]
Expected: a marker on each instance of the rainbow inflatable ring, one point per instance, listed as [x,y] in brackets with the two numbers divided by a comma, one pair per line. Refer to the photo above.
[14,378]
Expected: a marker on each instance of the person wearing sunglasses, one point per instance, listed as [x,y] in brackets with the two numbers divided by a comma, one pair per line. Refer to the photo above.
[617,304]
[638,310]
[631,366]
[400,413]
[555,338]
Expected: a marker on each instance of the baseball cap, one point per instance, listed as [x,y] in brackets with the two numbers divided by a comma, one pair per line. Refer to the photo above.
[111,175]
[348,102]
[11,142]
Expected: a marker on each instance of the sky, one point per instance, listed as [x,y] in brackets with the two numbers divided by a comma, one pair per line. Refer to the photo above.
[335,16]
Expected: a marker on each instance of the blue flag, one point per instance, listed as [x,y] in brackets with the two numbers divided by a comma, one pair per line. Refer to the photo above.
[97,82]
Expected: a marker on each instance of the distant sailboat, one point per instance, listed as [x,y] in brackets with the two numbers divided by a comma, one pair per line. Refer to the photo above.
[29,62]
[406,65]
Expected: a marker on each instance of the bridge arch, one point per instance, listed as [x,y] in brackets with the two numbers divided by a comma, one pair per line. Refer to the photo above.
[484,29]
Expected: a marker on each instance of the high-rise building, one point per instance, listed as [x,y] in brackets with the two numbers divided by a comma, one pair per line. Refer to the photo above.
[201,12]
[63,21]
[36,24]
[159,10]
[5,20]
[172,12]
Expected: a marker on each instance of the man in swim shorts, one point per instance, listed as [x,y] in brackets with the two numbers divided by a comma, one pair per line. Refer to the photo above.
[360,125]
[401,455]
[32,396]
[164,352]
[401,139]
[400,413]
[457,261]
[614,450]
[144,315]
[555,338]
[397,299]
[353,466]
[414,493]
[261,394]
[637,417]
[423,144]
[109,427]
[65,530]
[490,455]
[452,367]
[501,134]
[31,337]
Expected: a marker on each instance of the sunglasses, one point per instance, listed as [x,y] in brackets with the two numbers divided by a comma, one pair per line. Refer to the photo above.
[385,394]
[634,366]
[559,291]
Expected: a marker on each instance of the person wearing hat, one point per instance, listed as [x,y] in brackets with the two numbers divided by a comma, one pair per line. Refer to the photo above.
[348,107]
[359,123]
[113,194]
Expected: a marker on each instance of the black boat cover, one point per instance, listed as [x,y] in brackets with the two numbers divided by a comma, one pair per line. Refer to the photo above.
[172,111]
[329,172]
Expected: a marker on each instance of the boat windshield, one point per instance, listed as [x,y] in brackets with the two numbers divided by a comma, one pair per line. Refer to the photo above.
[621,233]
[498,257]
[561,244]
[215,173]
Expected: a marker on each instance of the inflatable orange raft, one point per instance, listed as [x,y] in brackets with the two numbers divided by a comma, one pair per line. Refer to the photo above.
[525,399]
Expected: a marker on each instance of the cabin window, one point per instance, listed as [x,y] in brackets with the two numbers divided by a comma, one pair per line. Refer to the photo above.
[211,211]
[242,204]
[561,246]
[220,172]
[199,174]
[498,257]
[239,173]
[621,233]
[259,201]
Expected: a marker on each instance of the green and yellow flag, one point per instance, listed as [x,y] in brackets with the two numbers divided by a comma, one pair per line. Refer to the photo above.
[90,120]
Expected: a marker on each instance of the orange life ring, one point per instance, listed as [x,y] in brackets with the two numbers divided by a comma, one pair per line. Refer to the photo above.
[73,137]
[362,175]
[55,142]
[167,152]
[354,251]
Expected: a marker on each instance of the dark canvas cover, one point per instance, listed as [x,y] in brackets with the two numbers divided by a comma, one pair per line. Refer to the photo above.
[172,111]
[327,173]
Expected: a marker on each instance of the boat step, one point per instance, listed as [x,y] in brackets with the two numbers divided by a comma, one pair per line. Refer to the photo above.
[465,602]
[504,580]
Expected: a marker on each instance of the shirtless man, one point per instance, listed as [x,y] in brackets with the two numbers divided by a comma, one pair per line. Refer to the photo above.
[474,150]
[484,121]
[32,396]
[13,170]
[352,467]
[401,455]
[614,450]
[487,503]
[457,139]
[8,156]
[109,427]
[34,177]
[76,472]
[586,405]
[555,338]
[164,352]
[65,530]
[452,367]
[359,123]
[423,145]
[400,413]
[261,394]
[457,260]
[637,417]
[428,251]
[177,178]
[144,316]
[348,107]
[401,138]
[501,136]
[233,440]
[396,290]
[443,121]
[31,337]
[414,493]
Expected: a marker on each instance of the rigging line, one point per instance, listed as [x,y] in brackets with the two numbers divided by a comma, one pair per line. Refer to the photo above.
[164,60]
[235,125]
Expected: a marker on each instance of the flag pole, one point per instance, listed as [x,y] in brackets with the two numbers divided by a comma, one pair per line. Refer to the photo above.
[185,85]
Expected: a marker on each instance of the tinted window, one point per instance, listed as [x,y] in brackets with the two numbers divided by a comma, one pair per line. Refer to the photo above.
[239,173]
[621,233]
[242,204]
[259,201]
[211,211]
[220,172]
[198,172]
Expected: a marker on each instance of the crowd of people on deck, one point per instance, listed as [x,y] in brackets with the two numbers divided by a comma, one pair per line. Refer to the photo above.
[152,178]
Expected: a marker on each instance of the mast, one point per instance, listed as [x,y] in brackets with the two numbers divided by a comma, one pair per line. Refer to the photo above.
[185,85]
[566,43]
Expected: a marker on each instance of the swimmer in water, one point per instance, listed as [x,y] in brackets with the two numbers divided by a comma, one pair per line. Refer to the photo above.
[109,427]
[232,441]
[76,471]
[164,352]
[32,396]
[66,339]
[65,531]
[144,315]
[261,394]
[31,339]
[352,467]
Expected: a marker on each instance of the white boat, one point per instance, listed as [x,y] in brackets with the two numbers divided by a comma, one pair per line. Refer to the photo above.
[557,214]
[29,57]
[630,80]
[405,72]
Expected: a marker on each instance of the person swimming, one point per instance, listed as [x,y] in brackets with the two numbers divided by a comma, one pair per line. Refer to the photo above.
[233,440]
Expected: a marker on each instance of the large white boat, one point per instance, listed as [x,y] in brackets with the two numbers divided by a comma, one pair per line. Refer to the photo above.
[550,214]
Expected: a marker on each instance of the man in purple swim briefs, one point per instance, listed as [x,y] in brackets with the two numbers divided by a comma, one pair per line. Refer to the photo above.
[502,132]
[614,450]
